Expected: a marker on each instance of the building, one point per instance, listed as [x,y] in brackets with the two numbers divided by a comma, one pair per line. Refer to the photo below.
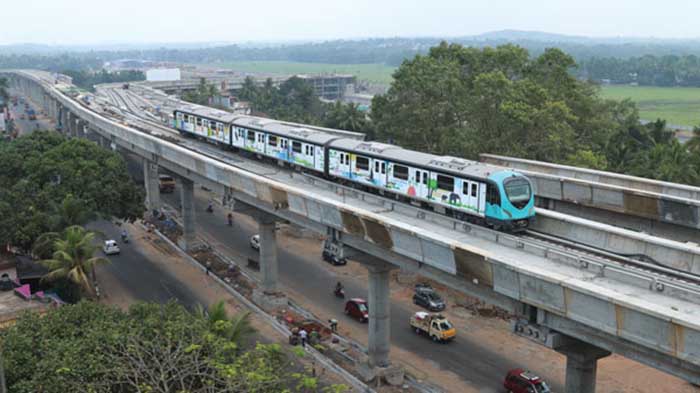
[330,87]
[163,74]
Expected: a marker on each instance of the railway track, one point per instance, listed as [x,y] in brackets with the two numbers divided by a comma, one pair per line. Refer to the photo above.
[648,265]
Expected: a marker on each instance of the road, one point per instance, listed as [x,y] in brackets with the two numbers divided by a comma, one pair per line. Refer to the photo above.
[141,277]
[479,365]
[26,126]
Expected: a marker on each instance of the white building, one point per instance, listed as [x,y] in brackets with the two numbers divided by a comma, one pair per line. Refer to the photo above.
[163,74]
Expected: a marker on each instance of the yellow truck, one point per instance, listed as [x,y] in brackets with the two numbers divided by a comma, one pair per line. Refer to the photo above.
[435,326]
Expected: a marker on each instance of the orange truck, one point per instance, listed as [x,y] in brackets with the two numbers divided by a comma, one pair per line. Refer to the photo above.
[435,326]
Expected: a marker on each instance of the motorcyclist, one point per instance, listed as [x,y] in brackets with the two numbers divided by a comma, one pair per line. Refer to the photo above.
[210,208]
[338,288]
[124,235]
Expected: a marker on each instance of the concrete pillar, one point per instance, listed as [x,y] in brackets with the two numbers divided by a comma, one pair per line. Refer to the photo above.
[269,267]
[188,217]
[581,366]
[379,310]
[150,180]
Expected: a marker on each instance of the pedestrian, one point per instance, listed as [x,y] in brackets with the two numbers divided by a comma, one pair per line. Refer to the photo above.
[303,335]
[334,325]
[230,219]
[208,267]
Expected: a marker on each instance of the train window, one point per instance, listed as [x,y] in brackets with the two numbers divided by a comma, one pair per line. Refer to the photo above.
[251,136]
[376,166]
[199,121]
[272,140]
[296,147]
[362,163]
[425,178]
[212,124]
[465,188]
[518,191]
[283,143]
[474,190]
[492,195]
[383,168]
[446,183]
[400,172]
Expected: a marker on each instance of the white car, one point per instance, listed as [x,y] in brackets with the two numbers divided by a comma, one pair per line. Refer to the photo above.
[255,242]
[110,247]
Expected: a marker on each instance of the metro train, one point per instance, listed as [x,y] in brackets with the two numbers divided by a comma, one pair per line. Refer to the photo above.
[471,191]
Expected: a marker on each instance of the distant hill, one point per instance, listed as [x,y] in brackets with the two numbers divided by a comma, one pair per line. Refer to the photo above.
[524,35]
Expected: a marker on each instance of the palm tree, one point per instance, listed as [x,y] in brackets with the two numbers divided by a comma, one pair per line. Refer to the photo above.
[73,256]
[235,328]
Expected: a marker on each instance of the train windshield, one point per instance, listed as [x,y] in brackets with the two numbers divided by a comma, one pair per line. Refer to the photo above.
[518,191]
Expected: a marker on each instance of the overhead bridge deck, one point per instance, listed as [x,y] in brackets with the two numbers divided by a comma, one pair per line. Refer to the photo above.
[647,317]
[660,208]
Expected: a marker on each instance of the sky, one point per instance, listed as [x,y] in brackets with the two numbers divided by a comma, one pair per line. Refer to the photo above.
[80,22]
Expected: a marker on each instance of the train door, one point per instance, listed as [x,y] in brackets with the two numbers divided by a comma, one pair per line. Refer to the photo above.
[470,195]
[344,165]
[309,155]
[260,142]
[379,172]
[419,180]
[482,198]
[320,158]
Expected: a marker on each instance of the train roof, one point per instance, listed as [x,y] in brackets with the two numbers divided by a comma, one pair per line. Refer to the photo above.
[289,130]
[446,164]
[276,126]
[210,113]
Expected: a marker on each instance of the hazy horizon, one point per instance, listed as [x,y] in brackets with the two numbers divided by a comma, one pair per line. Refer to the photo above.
[132,22]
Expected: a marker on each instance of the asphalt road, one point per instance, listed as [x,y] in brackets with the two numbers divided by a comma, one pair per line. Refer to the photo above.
[143,279]
[474,362]
[26,126]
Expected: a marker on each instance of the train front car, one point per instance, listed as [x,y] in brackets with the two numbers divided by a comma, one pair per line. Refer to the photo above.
[513,208]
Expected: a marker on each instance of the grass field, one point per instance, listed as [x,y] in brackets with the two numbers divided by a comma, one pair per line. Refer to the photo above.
[375,73]
[678,105]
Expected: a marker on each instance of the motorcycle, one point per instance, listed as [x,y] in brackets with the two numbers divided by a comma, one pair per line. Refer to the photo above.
[125,239]
[339,292]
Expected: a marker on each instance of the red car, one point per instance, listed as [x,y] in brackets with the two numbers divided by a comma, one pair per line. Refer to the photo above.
[521,381]
[357,308]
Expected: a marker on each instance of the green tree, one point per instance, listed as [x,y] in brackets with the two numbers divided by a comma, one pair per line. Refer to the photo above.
[48,182]
[73,257]
[347,117]
[90,347]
